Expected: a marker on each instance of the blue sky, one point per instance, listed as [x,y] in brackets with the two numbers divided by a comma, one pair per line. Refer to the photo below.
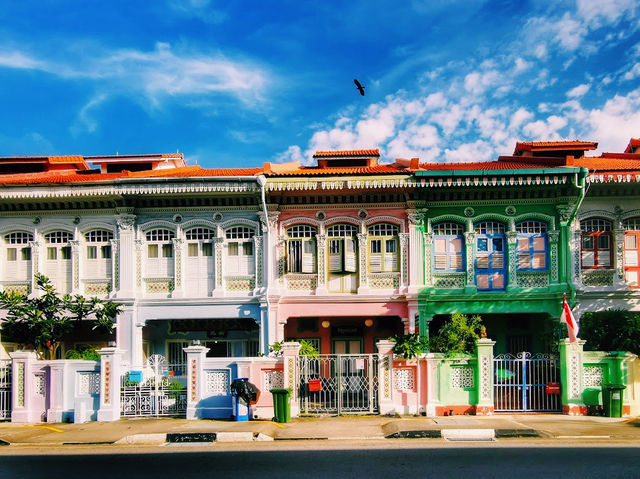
[237,83]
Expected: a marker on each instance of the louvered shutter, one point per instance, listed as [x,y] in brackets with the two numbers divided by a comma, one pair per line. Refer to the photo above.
[335,255]
[375,262]
[309,256]
[391,262]
[350,264]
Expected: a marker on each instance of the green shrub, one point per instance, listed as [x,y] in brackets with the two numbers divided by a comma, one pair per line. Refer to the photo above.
[611,330]
[409,346]
[83,352]
[458,335]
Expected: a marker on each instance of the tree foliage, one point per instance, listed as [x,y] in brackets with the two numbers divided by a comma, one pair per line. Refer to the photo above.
[458,335]
[611,330]
[45,318]
[409,346]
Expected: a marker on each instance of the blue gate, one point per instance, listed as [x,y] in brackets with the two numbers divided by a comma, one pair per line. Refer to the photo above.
[526,383]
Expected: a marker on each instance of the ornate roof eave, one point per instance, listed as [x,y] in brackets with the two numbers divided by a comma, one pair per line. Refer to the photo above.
[494,180]
[339,183]
[618,177]
[192,186]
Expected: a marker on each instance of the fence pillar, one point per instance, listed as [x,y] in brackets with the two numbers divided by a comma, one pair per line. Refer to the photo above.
[385,376]
[433,382]
[56,391]
[110,377]
[21,385]
[291,377]
[571,377]
[484,377]
[195,379]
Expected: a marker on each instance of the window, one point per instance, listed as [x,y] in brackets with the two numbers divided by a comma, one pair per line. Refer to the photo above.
[240,255]
[531,246]
[301,249]
[98,254]
[342,248]
[199,278]
[632,251]
[160,253]
[490,268]
[596,243]
[383,248]
[57,264]
[448,247]
[18,255]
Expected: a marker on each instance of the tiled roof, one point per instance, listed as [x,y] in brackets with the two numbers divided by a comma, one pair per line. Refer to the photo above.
[346,170]
[634,143]
[345,153]
[503,163]
[554,145]
[145,155]
[73,177]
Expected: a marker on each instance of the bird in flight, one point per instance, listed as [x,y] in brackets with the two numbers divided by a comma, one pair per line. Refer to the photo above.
[359,86]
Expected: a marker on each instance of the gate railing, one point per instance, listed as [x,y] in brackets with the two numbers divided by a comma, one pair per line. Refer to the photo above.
[161,391]
[5,390]
[338,384]
[526,383]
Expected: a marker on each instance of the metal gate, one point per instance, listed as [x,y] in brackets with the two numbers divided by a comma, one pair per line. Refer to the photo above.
[338,384]
[158,390]
[526,383]
[5,390]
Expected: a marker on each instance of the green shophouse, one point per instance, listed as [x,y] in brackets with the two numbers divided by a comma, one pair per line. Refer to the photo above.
[496,242]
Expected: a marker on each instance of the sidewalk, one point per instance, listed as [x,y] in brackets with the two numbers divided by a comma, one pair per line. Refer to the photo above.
[163,430]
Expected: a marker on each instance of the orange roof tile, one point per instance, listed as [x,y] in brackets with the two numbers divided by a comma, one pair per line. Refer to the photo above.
[554,145]
[346,170]
[343,153]
[608,163]
[634,143]
[503,163]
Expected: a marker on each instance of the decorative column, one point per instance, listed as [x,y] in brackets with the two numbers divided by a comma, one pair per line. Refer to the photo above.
[416,250]
[270,225]
[195,379]
[127,270]
[404,261]
[424,322]
[178,283]
[56,391]
[259,269]
[35,263]
[363,287]
[576,249]
[139,245]
[571,377]
[115,266]
[322,267]
[385,377]
[564,213]
[469,240]
[290,353]
[484,376]
[428,244]
[22,383]
[218,243]
[618,237]
[433,382]
[110,374]
[553,254]
[280,254]
[75,266]
[512,281]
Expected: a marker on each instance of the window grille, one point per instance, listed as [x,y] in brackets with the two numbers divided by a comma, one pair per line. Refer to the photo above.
[301,231]
[595,224]
[489,228]
[99,236]
[448,229]
[240,232]
[160,235]
[383,229]
[200,234]
[632,224]
[342,230]
[58,237]
[531,226]
[18,238]
[532,245]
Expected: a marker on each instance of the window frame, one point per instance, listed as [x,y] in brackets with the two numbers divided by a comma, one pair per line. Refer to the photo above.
[239,264]
[496,231]
[540,229]
[596,229]
[449,236]
[302,250]
[382,234]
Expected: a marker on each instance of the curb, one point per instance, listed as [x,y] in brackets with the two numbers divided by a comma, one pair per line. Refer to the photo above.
[464,434]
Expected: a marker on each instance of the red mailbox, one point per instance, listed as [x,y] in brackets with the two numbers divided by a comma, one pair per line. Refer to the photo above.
[315,385]
[552,388]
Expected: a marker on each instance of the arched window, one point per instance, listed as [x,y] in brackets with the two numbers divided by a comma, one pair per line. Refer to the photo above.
[160,253]
[383,247]
[200,266]
[301,249]
[342,248]
[632,251]
[240,253]
[596,243]
[491,273]
[532,249]
[98,254]
[448,247]
[57,263]
[18,256]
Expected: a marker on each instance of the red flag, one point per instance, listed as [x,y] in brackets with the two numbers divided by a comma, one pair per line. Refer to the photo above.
[567,317]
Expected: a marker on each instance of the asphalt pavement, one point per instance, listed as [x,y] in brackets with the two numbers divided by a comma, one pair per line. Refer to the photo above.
[157,431]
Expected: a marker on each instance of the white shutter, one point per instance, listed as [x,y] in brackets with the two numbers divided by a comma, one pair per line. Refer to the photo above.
[335,259]
[631,258]
[375,263]
[309,256]
[391,262]
[587,259]
[350,264]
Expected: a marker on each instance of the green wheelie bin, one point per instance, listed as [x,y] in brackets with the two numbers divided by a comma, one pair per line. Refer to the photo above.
[612,399]
[281,406]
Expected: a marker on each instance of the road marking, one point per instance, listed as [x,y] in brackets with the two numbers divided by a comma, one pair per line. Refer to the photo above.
[54,429]
[583,437]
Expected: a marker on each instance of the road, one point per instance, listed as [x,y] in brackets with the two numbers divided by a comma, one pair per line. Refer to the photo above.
[441,461]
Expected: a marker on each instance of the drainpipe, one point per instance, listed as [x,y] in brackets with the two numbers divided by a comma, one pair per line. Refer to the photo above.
[262,181]
[580,180]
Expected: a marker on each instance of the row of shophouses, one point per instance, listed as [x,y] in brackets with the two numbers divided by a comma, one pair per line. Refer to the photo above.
[213,266]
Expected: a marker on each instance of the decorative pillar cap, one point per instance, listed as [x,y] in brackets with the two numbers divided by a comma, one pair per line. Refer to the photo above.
[196,349]
[109,351]
[23,355]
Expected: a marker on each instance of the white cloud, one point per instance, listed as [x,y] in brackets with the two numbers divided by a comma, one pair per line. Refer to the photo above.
[521,65]
[477,82]
[479,150]
[549,129]
[200,9]
[16,59]
[85,122]
[597,13]
[578,91]
[633,73]
[519,117]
